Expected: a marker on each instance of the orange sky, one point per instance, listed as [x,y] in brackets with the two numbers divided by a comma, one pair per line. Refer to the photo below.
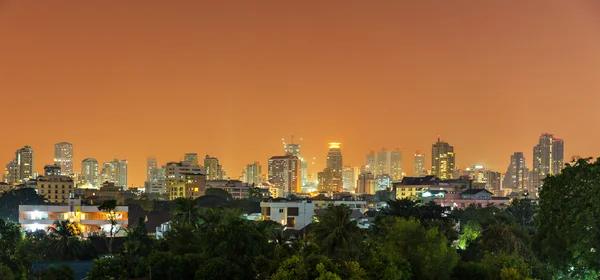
[132,79]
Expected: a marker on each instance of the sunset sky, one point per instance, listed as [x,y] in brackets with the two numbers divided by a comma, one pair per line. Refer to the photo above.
[132,79]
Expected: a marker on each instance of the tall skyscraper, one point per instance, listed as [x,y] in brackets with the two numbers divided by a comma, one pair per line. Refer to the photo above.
[151,165]
[548,159]
[442,160]
[517,175]
[24,157]
[334,157]
[253,173]
[285,172]
[419,165]
[382,163]
[329,180]
[370,163]
[294,149]
[89,172]
[192,159]
[63,157]
[214,171]
[12,173]
[349,178]
[396,165]
[115,172]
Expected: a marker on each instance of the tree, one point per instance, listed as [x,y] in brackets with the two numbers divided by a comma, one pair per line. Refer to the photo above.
[336,231]
[185,210]
[218,192]
[6,273]
[10,201]
[108,207]
[567,224]
[64,239]
[63,272]
[469,233]
[427,250]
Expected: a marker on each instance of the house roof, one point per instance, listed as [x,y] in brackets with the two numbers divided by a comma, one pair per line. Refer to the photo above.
[475,191]
[418,180]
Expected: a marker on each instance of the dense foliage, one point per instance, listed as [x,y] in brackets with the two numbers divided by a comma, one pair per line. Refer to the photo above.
[210,239]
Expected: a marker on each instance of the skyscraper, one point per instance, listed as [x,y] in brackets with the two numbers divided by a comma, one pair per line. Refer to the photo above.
[184,180]
[294,149]
[548,159]
[63,157]
[334,157]
[517,175]
[89,172]
[285,172]
[442,160]
[396,165]
[419,165]
[329,180]
[24,157]
[192,159]
[214,170]
[349,178]
[12,173]
[382,163]
[151,165]
[253,173]
[366,183]
[115,172]
[370,163]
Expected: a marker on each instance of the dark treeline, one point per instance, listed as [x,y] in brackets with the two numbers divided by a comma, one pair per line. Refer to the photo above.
[557,239]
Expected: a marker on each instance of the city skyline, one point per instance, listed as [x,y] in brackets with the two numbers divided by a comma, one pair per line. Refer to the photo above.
[334,69]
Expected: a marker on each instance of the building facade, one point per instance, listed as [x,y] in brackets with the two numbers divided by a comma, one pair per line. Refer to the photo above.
[184,180]
[366,183]
[89,172]
[516,178]
[115,172]
[55,188]
[419,165]
[252,174]
[548,159]
[330,180]
[192,159]
[24,158]
[63,157]
[442,160]
[214,170]
[285,173]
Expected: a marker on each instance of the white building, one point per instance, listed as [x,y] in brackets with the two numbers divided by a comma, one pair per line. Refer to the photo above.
[88,218]
[63,157]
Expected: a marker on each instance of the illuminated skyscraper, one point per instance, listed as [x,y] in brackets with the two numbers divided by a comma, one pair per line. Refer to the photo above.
[63,157]
[252,173]
[151,165]
[370,163]
[214,171]
[184,180]
[115,172]
[442,160]
[548,159]
[396,165]
[366,183]
[294,149]
[334,157]
[382,163]
[329,180]
[517,175]
[24,157]
[285,172]
[12,173]
[192,159]
[349,178]
[89,172]
[419,165]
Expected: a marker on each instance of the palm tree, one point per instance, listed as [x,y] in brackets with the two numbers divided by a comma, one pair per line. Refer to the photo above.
[336,231]
[186,210]
[65,241]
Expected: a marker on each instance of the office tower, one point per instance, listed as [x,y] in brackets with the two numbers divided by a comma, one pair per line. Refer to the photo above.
[12,173]
[294,149]
[366,183]
[329,180]
[252,173]
[24,158]
[151,165]
[442,160]
[214,170]
[419,165]
[548,159]
[285,172]
[89,172]
[63,157]
[370,163]
[349,178]
[382,162]
[115,172]
[396,165]
[192,159]
[334,157]
[517,175]
[183,179]
[493,182]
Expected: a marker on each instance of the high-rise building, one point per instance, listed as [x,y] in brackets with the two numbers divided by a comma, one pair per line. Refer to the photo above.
[115,172]
[330,180]
[419,165]
[214,171]
[349,178]
[24,157]
[370,163]
[151,165]
[366,183]
[12,173]
[294,149]
[63,157]
[517,175]
[396,165]
[285,172]
[52,170]
[334,157]
[192,159]
[252,173]
[184,180]
[89,172]
[548,159]
[442,160]
[382,163]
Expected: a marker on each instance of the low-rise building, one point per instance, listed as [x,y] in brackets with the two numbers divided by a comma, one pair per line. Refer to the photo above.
[56,188]
[88,218]
[479,197]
